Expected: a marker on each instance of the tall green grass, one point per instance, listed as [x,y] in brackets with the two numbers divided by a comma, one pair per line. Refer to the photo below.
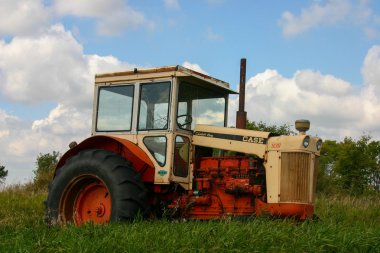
[347,224]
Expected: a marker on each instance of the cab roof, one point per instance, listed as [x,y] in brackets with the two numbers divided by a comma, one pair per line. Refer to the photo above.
[161,72]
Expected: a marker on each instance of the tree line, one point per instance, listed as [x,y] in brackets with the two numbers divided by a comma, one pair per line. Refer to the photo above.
[349,166]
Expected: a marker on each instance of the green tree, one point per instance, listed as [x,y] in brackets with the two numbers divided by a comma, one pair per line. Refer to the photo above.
[262,126]
[354,164]
[350,166]
[3,174]
[46,164]
[326,179]
[374,170]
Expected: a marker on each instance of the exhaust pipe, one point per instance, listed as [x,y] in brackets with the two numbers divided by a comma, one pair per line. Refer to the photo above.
[241,115]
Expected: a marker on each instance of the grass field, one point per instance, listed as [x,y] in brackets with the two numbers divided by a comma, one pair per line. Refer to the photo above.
[347,224]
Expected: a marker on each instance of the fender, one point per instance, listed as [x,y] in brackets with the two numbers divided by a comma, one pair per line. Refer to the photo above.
[130,151]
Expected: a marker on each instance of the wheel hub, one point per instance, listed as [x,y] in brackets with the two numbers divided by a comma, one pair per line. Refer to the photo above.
[100,210]
[93,204]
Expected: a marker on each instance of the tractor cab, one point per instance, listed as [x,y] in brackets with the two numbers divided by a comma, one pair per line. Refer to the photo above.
[157,109]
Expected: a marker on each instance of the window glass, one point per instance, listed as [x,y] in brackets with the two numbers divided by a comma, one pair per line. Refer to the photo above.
[157,147]
[115,105]
[181,156]
[198,105]
[154,106]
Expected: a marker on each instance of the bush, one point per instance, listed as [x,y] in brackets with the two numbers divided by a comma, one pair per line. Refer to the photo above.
[3,174]
[350,166]
[44,173]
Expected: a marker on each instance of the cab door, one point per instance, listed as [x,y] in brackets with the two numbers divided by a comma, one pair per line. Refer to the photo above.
[181,158]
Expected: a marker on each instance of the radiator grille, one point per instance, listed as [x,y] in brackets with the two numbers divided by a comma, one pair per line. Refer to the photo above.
[316,171]
[295,177]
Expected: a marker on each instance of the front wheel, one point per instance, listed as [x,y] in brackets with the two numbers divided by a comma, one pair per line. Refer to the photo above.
[96,186]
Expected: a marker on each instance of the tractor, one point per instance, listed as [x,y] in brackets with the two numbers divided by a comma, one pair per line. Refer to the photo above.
[160,147]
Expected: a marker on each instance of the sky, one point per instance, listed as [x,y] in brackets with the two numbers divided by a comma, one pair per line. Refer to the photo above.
[316,60]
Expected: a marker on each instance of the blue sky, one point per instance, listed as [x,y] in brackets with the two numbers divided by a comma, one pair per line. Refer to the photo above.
[217,35]
[305,59]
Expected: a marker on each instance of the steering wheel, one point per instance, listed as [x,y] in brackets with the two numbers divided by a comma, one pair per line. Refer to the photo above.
[188,120]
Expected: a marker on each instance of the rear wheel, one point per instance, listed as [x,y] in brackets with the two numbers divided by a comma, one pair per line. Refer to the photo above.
[96,186]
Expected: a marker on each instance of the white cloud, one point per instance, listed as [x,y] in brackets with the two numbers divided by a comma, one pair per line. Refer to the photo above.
[64,120]
[211,117]
[331,12]
[194,66]
[20,17]
[172,4]
[104,64]
[112,17]
[356,13]
[335,107]
[28,17]
[4,133]
[25,140]
[371,68]
[8,122]
[50,66]
[323,84]
[87,8]
[44,68]
[371,93]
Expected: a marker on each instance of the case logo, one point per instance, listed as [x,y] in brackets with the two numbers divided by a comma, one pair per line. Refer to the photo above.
[252,139]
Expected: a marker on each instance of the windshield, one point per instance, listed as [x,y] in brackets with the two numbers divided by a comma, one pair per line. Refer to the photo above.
[198,105]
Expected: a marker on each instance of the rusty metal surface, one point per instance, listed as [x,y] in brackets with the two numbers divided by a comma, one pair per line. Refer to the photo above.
[241,120]
[132,152]
[296,183]
[241,115]
[161,72]
[139,71]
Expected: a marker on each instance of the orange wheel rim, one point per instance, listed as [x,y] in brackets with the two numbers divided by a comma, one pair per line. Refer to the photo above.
[93,204]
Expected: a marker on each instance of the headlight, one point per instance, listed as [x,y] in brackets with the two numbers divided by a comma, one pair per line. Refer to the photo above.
[306,141]
[319,145]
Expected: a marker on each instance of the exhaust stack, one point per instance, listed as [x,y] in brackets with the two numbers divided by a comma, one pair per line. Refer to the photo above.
[241,115]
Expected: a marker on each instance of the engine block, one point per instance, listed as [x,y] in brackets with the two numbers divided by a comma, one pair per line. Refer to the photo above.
[224,186]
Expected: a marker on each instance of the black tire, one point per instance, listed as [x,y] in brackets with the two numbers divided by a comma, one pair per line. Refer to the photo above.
[90,168]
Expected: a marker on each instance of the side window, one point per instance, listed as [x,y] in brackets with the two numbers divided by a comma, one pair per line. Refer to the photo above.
[181,156]
[154,106]
[157,147]
[115,108]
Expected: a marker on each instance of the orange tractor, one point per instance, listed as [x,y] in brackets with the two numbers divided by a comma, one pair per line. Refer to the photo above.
[160,145]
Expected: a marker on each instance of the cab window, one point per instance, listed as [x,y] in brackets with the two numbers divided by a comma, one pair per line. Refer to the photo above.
[154,106]
[115,104]
[181,156]
[157,147]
